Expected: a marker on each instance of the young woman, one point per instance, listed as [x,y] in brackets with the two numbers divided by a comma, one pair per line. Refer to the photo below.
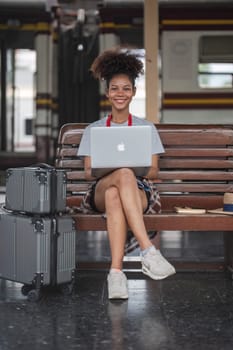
[120,194]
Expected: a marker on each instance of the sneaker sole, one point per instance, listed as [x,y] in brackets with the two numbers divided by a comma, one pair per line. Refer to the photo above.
[157,277]
[118,296]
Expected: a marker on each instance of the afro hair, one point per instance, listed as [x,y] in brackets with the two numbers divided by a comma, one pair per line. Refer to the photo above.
[113,62]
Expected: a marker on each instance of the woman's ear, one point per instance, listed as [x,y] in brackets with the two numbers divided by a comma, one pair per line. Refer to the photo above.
[106,93]
[134,90]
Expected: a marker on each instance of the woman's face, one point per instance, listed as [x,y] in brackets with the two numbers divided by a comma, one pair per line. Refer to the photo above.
[120,92]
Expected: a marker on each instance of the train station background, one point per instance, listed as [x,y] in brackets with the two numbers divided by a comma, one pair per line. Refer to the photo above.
[47,48]
[46,51]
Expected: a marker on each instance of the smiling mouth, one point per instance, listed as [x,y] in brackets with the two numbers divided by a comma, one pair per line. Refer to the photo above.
[120,101]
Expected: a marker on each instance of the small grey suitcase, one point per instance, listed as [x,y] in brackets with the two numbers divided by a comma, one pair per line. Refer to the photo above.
[37,251]
[36,190]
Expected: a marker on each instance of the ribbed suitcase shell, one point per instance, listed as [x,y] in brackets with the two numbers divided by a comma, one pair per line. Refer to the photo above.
[35,190]
[66,245]
[33,248]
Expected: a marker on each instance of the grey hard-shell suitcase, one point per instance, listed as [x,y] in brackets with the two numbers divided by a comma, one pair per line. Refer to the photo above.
[37,252]
[36,189]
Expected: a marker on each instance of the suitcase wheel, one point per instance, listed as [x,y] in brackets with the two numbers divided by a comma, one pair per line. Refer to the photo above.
[34,295]
[67,289]
[26,289]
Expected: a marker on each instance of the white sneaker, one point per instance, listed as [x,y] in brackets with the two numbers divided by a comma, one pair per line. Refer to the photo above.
[117,285]
[156,266]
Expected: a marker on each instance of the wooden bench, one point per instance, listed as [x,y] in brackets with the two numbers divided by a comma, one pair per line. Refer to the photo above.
[195,171]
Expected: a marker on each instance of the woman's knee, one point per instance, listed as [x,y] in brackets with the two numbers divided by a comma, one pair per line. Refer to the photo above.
[125,176]
[112,196]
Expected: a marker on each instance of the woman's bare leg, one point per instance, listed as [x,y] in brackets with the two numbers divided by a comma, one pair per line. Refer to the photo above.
[116,226]
[132,199]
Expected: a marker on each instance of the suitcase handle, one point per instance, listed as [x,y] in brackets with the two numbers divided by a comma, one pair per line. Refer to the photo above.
[53,189]
[43,165]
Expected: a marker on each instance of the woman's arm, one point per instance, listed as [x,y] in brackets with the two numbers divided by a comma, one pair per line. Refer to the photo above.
[153,172]
[87,168]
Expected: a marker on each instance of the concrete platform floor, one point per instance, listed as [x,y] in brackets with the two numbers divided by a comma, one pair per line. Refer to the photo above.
[187,311]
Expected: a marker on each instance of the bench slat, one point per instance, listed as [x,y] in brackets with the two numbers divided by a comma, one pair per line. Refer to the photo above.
[197,138]
[69,163]
[170,187]
[214,152]
[75,174]
[196,175]
[165,221]
[67,152]
[71,138]
[195,163]
[174,175]
[202,187]
[171,201]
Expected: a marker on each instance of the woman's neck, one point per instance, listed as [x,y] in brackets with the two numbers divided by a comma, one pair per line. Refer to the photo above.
[120,118]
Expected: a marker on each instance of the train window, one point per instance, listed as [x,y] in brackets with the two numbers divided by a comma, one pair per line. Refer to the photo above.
[216,75]
[216,48]
[215,68]
[28,126]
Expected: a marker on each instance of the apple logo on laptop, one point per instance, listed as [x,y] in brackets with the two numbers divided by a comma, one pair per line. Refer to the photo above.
[121,147]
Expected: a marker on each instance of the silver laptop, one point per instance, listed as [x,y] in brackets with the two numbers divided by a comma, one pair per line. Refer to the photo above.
[121,146]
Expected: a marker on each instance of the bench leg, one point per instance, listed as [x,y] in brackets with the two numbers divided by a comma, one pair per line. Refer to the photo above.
[228,251]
